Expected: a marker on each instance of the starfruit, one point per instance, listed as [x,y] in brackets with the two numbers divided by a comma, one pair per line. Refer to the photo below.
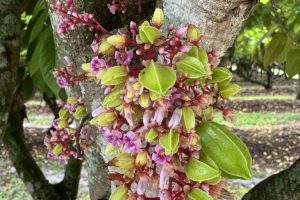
[151,135]
[119,41]
[198,53]
[57,149]
[188,117]
[106,48]
[124,161]
[80,112]
[111,149]
[113,99]
[225,149]
[104,119]
[191,66]
[114,76]
[144,100]
[120,193]
[170,142]
[148,34]
[63,114]
[158,79]
[62,124]
[72,100]
[142,158]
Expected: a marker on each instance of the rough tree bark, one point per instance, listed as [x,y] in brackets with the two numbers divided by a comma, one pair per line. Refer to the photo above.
[282,186]
[219,21]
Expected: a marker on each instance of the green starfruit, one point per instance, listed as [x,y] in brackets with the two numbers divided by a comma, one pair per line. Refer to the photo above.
[198,194]
[114,76]
[104,119]
[229,90]
[188,117]
[191,66]
[113,99]
[170,142]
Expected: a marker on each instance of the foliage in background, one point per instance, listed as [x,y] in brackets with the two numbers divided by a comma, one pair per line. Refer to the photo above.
[268,43]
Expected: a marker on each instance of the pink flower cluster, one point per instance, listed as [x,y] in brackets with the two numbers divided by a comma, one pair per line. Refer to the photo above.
[151,132]
[61,140]
[121,6]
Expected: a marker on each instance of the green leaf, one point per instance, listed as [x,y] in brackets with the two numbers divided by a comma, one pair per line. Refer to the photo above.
[293,62]
[207,114]
[198,194]
[170,142]
[158,79]
[225,149]
[221,74]
[275,48]
[149,34]
[114,76]
[188,117]
[229,90]
[192,66]
[200,171]
[113,99]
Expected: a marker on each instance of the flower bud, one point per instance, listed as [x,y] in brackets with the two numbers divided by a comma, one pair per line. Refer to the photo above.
[118,41]
[121,193]
[104,119]
[181,32]
[151,135]
[80,112]
[193,33]
[57,149]
[110,149]
[144,100]
[114,76]
[113,99]
[133,27]
[142,158]
[188,118]
[72,100]
[124,161]
[63,114]
[106,48]
[62,124]
[142,184]
[158,17]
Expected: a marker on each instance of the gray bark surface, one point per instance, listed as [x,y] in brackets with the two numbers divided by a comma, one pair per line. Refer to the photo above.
[219,33]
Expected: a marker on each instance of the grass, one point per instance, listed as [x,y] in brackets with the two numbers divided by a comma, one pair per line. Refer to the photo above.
[263,97]
[259,118]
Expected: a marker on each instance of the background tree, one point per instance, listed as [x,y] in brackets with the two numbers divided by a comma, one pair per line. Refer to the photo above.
[24,72]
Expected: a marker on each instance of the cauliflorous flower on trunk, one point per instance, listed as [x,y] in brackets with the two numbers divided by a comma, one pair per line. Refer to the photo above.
[124,58]
[97,64]
[132,143]
[159,115]
[175,119]
[142,184]
[113,136]
[159,155]
[127,113]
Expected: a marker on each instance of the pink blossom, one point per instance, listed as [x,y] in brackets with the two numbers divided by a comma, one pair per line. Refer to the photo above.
[159,155]
[132,144]
[181,32]
[175,119]
[113,136]
[98,111]
[164,195]
[164,177]
[146,117]
[61,82]
[127,113]
[142,184]
[124,58]
[159,115]
[97,64]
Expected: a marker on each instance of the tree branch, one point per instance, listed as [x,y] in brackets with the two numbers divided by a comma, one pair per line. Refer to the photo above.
[282,186]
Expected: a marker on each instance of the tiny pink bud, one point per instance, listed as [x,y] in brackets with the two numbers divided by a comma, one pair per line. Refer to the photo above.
[181,32]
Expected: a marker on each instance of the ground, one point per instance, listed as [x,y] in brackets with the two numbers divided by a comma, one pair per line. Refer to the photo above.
[268,122]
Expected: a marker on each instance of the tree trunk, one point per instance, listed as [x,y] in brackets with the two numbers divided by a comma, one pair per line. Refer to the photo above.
[282,186]
[10,30]
[298,94]
[219,21]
